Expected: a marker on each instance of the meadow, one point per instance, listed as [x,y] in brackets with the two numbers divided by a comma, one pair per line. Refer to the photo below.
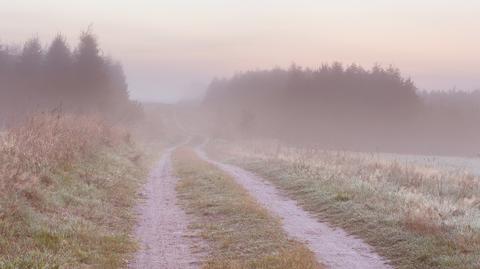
[416,215]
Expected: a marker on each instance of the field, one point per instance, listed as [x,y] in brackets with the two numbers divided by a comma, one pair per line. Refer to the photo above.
[69,186]
[416,215]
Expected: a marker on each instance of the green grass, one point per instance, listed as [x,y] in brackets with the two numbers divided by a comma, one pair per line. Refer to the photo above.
[349,194]
[77,217]
[240,233]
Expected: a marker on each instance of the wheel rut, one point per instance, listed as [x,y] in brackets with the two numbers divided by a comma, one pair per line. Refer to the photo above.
[162,228]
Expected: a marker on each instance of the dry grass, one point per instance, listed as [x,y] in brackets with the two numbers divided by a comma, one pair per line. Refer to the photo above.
[241,233]
[67,186]
[50,141]
[418,216]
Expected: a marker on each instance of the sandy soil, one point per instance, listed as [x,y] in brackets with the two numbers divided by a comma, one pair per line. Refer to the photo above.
[162,229]
[332,246]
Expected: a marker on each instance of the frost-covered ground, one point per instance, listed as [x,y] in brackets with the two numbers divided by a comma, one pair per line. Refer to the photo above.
[471,165]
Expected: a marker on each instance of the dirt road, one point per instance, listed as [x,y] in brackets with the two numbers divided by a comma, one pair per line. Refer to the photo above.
[332,246]
[162,229]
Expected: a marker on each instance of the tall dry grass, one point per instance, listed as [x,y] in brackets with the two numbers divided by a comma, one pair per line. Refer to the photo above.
[48,141]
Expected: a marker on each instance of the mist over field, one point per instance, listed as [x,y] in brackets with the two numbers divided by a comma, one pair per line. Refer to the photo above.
[335,106]
[345,108]
[240,134]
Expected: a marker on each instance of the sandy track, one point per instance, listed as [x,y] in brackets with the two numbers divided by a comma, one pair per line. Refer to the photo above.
[165,241]
[332,246]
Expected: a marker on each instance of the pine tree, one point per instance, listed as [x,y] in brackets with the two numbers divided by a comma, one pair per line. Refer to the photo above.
[90,73]
[58,65]
[29,76]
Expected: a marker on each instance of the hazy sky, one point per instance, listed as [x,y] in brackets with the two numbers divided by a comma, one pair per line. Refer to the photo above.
[171,49]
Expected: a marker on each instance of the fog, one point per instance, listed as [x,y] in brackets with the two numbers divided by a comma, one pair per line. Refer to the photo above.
[344,107]
[240,134]
[363,76]
[64,80]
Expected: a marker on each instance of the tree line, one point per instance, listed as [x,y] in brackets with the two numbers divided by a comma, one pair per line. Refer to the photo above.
[79,80]
[343,107]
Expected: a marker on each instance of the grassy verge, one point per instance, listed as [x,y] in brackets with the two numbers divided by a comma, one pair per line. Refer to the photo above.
[415,216]
[240,232]
[67,195]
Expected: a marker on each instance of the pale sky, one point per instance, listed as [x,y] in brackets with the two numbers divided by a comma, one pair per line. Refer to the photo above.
[172,49]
